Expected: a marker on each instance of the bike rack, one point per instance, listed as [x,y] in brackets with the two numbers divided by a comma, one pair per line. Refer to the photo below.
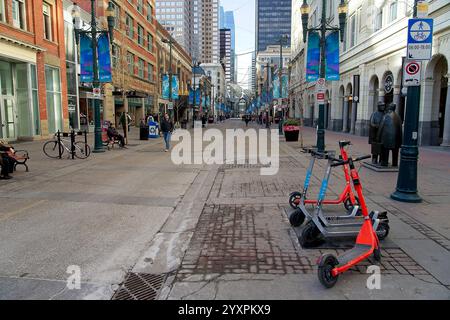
[72,136]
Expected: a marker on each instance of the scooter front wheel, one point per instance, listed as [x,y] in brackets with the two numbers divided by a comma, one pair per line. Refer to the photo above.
[294,199]
[297,218]
[327,263]
[349,205]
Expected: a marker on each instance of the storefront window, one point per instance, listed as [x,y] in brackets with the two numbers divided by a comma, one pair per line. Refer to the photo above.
[2,11]
[22,100]
[6,80]
[34,98]
[54,109]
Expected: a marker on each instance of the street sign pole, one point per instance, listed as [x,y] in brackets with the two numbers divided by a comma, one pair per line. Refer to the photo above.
[407,178]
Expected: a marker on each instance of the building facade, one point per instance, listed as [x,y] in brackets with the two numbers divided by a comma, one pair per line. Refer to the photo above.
[218,85]
[229,24]
[33,85]
[175,17]
[225,52]
[372,58]
[181,68]
[209,42]
[273,20]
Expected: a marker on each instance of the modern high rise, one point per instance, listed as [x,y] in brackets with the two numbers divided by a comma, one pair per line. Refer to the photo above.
[273,19]
[229,24]
[194,24]
[225,52]
[175,17]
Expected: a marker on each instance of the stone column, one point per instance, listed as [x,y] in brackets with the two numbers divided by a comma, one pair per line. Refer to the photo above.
[397,96]
[381,95]
[345,120]
[446,140]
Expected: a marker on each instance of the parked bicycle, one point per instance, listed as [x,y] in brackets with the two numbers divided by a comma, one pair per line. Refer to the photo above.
[56,147]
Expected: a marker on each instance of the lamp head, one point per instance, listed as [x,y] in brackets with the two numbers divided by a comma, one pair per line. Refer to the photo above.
[305,9]
[76,15]
[342,10]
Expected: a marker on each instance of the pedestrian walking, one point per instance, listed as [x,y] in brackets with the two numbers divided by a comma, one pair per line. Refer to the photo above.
[167,129]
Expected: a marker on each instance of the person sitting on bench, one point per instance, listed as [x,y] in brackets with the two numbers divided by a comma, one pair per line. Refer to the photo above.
[114,135]
[6,161]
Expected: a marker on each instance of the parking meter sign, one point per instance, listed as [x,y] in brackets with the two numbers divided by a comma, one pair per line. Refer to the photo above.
[411,74]
[321,97]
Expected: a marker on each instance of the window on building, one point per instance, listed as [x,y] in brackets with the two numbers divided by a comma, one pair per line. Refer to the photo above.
[140,6]
[150,72]
[19,14]
[2,11]
[140,30]
[149,12]
[149,42]
[54,108]
[46,9]
[141,68]
[378,20]
[393,9]
[130,62]
[352,33]
[117,14]
[130,26]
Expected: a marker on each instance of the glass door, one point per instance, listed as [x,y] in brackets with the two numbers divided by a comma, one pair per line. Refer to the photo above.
[8,118]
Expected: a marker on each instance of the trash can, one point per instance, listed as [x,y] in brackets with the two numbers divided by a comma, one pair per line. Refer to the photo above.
[143,132]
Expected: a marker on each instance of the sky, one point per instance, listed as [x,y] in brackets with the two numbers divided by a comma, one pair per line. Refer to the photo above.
[244,19]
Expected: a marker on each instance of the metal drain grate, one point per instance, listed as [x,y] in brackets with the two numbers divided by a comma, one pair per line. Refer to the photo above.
[140,286]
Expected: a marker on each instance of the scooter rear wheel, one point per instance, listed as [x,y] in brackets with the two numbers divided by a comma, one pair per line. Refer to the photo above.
[310,236]
[377,254]
[326,265]
[297,218]
[383,230]
[294,199]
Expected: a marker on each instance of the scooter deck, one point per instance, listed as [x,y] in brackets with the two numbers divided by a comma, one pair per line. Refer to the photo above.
[357,251]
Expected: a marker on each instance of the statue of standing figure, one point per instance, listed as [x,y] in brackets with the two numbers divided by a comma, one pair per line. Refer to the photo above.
[375,121]
[390,135]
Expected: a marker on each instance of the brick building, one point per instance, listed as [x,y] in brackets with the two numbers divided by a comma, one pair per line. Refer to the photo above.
[33,88]
[181,67]
[133,59]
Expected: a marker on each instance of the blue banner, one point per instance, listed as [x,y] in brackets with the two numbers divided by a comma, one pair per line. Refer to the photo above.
[285,86]
[86,59]
[313,57]
[332,57]
[276,87]
[175,88]
[191,96]
[165,87]
[104,58]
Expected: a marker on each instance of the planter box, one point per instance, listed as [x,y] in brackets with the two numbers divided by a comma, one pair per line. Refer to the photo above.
[291,133]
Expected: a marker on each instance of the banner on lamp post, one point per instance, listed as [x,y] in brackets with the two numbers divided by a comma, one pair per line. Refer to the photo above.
[276,87]
[284,86]
[86,59]
[104,59]
[165,87]
[313,57]
[332,57]
[175,88]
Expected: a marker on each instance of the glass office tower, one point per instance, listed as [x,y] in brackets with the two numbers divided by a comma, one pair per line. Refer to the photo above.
[273,19]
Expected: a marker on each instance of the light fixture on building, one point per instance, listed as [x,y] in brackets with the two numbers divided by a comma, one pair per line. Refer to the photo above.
[342,10]
[305,9]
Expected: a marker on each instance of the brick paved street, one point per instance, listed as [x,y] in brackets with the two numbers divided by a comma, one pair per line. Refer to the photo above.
[206,232]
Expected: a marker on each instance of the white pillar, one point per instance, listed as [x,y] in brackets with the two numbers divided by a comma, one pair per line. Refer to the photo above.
[446,140]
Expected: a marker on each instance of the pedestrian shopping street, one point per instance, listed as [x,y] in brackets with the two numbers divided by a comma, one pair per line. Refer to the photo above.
[136,224]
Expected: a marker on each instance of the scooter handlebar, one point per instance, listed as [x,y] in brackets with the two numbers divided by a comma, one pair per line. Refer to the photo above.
[341,163]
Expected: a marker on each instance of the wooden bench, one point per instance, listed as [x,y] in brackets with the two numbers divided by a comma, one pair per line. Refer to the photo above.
[21,157]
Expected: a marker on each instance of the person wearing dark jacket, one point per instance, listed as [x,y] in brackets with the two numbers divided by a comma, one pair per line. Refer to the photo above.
[167,129]
[390,135]
[6,161]
[114,135]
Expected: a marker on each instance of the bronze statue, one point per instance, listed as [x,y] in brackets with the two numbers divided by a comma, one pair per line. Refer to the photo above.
[375,121]
[390,135]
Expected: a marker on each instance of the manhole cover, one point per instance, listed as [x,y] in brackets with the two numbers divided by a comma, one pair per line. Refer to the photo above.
[140,286]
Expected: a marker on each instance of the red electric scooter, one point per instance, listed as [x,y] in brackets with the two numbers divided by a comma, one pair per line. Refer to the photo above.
[367,242]
[347,197]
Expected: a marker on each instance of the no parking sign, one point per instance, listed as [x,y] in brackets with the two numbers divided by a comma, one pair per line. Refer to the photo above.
[411,73]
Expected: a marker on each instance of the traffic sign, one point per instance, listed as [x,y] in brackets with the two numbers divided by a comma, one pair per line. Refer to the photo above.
[411,74]
[420,39]
[321,97]
[321,85]
[97,92]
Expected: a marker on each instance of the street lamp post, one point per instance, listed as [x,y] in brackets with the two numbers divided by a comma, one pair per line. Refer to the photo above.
[94,32]
[406,190]
[195,65]
[323,28]
[280,75]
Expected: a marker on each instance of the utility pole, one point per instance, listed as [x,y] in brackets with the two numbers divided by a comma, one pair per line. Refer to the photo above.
[280,75]
[406,190]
